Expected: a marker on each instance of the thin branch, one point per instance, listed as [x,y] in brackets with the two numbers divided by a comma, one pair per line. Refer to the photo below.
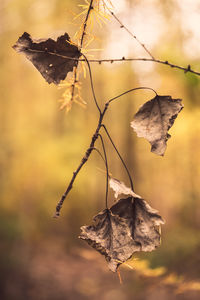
[133,35]
[75,173]
[123,59]
[124,164]
[163,62]
[83,161]
[81,44]
[107,172]
[85,22]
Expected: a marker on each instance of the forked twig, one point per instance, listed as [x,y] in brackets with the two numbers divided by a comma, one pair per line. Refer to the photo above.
[92,143]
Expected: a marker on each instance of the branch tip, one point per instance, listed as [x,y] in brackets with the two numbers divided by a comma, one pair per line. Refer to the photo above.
[56,215]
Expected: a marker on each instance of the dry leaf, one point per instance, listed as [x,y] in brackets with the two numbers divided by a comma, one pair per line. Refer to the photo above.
[154,119]
[129,226]
[49,56]
[120,188]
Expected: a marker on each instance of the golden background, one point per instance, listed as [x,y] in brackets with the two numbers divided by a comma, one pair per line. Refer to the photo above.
[41,146]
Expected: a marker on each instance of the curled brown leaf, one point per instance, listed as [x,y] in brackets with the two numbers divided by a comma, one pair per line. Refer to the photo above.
[129,226]
[154,119]
[51,58]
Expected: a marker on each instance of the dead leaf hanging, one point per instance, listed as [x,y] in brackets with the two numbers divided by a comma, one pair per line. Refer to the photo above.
[120,188]
[129,226]
[154,119]
[51,58]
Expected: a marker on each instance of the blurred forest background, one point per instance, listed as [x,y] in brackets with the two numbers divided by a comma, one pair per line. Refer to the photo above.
[41,145]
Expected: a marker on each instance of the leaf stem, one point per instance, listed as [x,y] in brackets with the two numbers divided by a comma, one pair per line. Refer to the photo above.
[107,172]
[97,150]
[123,162]
[92,85]
[131,90]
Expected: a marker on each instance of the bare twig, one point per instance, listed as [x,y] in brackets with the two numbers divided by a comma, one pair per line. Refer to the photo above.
[80,47]
[83,161]
[85,22]
[133,35]
[187,69]
[163,62]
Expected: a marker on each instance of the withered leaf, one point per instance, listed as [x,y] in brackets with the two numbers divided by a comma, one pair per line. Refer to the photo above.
[154,119]
[51,58]
[129,226]
[120,188]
